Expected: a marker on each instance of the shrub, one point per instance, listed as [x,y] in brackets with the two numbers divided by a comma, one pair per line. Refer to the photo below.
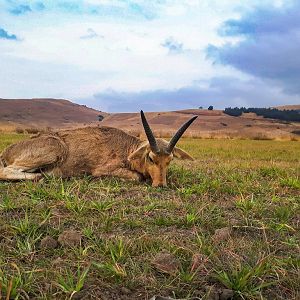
[19,130]
[272,113]
[100,118]
[32,130]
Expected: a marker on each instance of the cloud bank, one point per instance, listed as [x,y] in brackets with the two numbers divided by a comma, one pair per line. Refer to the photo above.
[270,46]
[121,55]
[219,91]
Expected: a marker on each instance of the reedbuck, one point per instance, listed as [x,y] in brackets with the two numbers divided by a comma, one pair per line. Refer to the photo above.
[96,151]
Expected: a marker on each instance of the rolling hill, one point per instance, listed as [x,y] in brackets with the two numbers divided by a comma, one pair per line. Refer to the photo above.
[43,113]
[56,113]
[210,124]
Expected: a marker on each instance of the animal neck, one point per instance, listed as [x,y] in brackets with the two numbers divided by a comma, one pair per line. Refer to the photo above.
[137,165]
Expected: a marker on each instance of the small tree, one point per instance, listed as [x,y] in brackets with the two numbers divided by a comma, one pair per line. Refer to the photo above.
[200,107]
[210,107]
[100,118]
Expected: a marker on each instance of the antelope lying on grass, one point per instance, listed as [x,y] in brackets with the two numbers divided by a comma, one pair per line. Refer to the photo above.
[96,151]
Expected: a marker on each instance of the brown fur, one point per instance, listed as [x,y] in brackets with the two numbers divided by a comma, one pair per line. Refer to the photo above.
[96,151]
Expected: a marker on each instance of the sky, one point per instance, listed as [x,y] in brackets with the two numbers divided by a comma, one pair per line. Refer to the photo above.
[127,55]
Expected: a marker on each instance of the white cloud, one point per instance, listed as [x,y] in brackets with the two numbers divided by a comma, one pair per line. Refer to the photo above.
[134,54]
[76,55]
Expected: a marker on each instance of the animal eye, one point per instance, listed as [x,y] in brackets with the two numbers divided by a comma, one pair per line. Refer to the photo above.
[151,160]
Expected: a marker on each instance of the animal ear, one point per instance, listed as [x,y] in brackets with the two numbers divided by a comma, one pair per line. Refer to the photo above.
[138,153]
[181,154]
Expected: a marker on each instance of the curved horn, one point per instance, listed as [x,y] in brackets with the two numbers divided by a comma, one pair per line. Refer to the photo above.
[149,134]
[179,133]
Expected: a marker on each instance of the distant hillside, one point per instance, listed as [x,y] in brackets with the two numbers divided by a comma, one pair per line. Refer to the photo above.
[54,113]
[288,107]
[210,124]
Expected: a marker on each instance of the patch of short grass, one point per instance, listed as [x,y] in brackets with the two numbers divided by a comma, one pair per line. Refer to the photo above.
[250,187]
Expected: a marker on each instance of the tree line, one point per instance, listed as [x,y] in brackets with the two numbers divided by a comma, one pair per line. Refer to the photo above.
[272,113]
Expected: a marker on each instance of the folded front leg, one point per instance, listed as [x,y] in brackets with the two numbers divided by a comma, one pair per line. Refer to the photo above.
[118,172]
[17,173]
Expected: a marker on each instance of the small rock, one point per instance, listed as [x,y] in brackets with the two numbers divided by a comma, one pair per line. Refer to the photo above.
[198,261]
[70,238]
[226,294]
[125,290]
[55,211]
[9,242]
[234,222]
[57,262]
[221,235]
[46,287]
[48,242]
[166,262]
[211,293]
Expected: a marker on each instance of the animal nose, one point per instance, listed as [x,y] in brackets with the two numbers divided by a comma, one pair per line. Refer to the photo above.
[159,184]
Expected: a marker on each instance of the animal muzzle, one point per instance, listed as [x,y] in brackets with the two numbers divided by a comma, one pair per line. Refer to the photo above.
[159,183]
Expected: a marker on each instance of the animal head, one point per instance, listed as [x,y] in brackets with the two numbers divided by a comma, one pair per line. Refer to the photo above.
[153,157]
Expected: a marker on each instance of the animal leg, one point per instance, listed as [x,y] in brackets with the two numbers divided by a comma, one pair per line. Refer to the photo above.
[15,173]
[119,172]
[23,160]
[128,174]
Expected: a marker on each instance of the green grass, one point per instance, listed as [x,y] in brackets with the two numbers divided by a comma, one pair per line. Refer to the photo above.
[252,187]
[8,138]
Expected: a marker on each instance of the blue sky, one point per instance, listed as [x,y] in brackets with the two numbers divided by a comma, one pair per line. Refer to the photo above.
[122,55]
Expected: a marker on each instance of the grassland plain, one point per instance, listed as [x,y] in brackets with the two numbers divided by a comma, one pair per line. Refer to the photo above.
[230,220]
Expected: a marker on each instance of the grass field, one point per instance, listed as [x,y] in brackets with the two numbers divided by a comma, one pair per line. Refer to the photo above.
[228,221]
